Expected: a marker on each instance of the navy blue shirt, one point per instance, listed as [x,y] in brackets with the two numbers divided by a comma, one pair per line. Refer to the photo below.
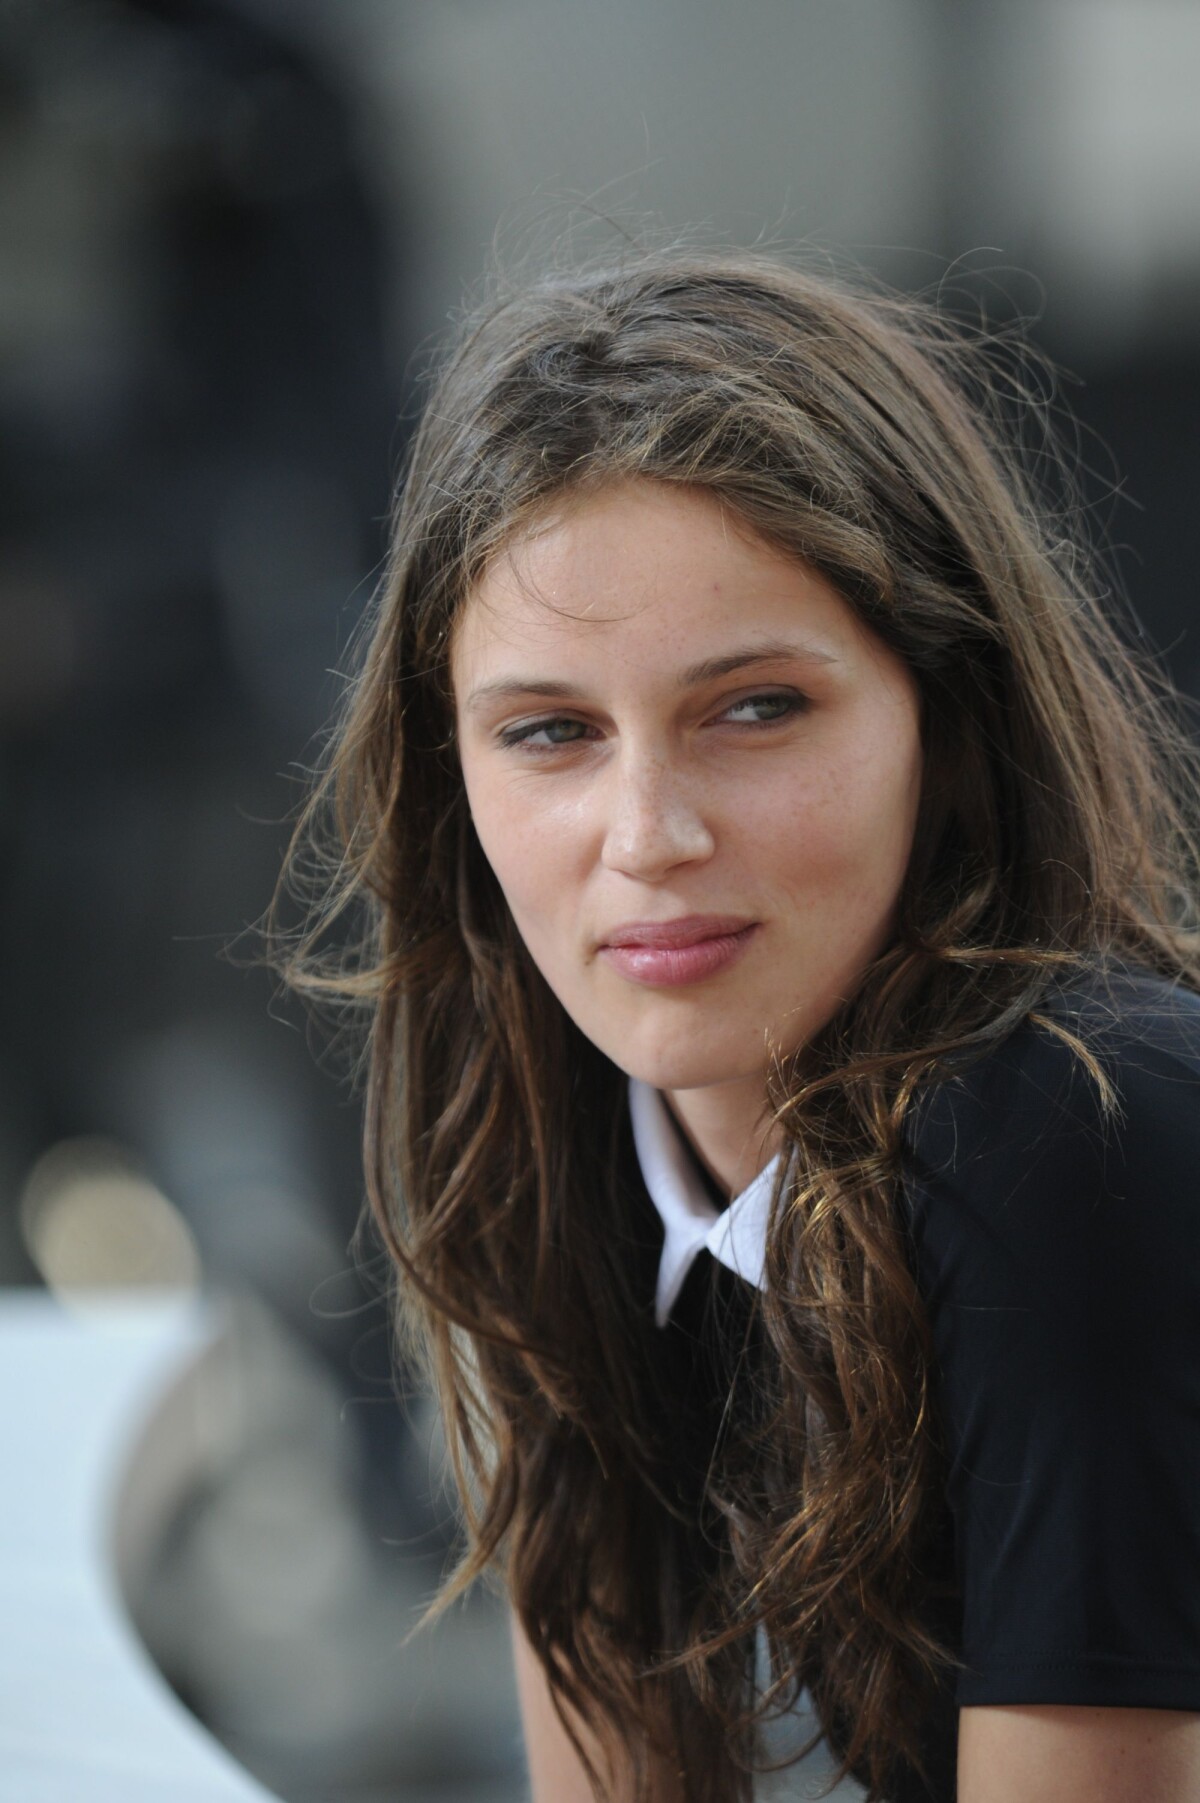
[1057,1250]
[1056,1246]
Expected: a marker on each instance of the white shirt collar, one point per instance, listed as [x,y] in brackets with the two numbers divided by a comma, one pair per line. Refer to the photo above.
[736,1236]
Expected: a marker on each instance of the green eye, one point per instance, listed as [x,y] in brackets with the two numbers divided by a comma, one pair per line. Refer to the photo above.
[544,732]
[763,710]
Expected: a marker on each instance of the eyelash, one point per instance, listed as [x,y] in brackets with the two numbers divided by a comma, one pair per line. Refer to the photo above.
[523,734]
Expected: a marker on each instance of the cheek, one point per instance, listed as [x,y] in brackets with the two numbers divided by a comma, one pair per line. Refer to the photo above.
[529,851]
[846,832]
[882,817]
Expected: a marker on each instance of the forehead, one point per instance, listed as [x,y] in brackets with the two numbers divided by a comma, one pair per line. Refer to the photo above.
[643,569]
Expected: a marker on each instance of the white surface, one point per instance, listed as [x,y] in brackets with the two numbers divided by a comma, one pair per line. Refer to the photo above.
[736,1236]
[85,1716]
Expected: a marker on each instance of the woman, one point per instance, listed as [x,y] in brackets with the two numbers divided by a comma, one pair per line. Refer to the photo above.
[745,800]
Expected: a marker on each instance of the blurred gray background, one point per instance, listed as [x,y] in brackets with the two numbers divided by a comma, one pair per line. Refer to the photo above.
[230,233]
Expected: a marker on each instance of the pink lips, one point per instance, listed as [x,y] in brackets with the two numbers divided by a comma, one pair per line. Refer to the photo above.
[671,953]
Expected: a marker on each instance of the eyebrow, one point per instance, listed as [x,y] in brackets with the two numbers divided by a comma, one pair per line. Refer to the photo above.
[710,669]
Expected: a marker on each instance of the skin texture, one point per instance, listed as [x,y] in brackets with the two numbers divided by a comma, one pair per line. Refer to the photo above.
[1017,1754]
[1012,1754]
[555,1769]
[782,793]
[556,1773]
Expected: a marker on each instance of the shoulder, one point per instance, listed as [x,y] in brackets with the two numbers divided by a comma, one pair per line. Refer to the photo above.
[1049,1217]
[1035,1099]
[1056,1242]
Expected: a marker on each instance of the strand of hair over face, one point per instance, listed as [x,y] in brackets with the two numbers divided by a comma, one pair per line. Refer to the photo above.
[1057,833]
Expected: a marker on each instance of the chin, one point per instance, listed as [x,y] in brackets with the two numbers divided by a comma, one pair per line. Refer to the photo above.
[686,1066]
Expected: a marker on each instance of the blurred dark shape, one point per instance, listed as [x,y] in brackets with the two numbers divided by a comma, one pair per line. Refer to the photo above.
[246,1563]
[196,435]
[1146,408]
[196,428]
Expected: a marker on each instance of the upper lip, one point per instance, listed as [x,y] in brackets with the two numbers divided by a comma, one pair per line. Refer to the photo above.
[686,929]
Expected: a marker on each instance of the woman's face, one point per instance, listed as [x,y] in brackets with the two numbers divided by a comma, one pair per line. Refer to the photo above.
[695,774]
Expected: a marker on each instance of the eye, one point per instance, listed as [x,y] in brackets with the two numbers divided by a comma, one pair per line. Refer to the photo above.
[541,734]
[765,710]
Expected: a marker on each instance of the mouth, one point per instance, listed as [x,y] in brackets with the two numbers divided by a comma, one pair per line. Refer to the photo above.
[675,953]
[673,935]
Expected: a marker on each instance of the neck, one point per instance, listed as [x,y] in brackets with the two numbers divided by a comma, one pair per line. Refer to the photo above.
[728,1129]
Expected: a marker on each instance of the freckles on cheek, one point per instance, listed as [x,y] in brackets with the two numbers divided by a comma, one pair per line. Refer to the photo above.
[846,836]
[547,829]
[814,822]
[523,844]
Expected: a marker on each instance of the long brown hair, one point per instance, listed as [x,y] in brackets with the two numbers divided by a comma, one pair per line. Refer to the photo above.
[865,435]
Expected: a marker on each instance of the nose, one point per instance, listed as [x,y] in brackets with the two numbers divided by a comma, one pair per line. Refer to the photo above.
[655,820]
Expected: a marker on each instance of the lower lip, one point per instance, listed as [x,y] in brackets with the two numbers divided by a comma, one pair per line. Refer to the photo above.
[674,966]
